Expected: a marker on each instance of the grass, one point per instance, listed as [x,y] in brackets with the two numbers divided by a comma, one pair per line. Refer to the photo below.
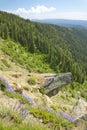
[22,99]
[2,85]
[75,90]
[5,62]
[42,90]
[26,88]
[55,108]
[51,118]
[47,118]
[32,80]
[29,126]
[16,117]
[8,112]
[4,111]
[33,62]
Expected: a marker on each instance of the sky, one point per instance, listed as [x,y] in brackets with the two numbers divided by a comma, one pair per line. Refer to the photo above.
[46,9]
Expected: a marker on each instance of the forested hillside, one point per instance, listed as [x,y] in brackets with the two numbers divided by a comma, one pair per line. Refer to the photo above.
[65,49]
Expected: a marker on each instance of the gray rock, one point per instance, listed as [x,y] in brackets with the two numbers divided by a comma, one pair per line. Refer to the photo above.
[53,82]
[79,111]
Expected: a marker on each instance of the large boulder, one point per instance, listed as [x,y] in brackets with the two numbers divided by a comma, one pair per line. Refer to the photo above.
[53,82]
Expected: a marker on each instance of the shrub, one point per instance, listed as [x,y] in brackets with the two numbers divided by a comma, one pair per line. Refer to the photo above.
[5,63]
[66,123]
[16,117]
[55,108]
[43,114]
[2,85]
[84,95]
[48,117]
[42,90]
[32,80]
[26,88]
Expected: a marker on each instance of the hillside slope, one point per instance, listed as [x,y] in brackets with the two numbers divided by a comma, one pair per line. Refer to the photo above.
[64,48]
[40,112]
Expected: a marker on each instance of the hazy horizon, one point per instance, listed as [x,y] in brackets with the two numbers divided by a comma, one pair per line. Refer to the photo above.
[47,9]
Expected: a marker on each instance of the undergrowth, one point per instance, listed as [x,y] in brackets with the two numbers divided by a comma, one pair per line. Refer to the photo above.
[32,62]
[17,96]
[47,117]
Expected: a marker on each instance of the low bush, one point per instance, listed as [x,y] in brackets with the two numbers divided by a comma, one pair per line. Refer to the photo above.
[49,117]
[4,61]
[42,90]
[2,85]
[26,88]
[55,108]
[32,80]
[16,117]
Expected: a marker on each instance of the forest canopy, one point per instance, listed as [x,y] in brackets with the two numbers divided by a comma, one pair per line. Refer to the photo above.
[65,48]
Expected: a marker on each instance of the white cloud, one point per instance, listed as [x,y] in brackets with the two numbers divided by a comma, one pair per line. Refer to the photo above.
[35,10]
[39,11]
[43,12]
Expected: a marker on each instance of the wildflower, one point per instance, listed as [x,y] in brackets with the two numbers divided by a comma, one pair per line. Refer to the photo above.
[23,113]
[8,87]
[67,116]
[29,98]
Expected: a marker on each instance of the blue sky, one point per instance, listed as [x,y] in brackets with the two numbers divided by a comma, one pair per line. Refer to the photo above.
[44,9]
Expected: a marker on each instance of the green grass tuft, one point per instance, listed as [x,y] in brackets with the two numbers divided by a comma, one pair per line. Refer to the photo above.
[2,85]
[42,90]
[5,62]
[32,80]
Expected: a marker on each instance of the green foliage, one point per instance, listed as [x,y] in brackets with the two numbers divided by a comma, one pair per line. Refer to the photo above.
[55,108]
[26,88]
[43,114]
[2,85]
[48,117]
[32,62]
[75,90]
[4,111]
[42,90]
[23,126]
[16,117]
[17,96]
[84,94]
[5,127]
[32,80]
[56,48]
[32,127]
[5,63]
[66,124]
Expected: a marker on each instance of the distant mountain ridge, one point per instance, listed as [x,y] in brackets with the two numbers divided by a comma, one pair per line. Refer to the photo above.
[65,22]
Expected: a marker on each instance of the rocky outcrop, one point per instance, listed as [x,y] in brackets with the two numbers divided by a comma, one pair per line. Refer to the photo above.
[53,82]
[79,111]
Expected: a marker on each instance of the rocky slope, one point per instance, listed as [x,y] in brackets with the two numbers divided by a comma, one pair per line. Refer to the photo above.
[17,77]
